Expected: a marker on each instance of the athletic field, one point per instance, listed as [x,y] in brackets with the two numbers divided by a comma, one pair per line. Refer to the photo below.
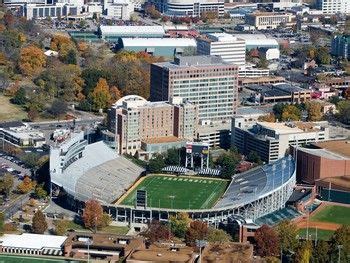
[333,214]
[180,192]
[25,259]
[321,234]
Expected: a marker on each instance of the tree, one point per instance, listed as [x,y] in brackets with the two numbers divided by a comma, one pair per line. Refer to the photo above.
[179,224]
[334,99]
[116,94]
[32,114]
[7,184]
[217,236]
[291,113]
[32,60]
[228,162]
[26,185]
[58,108]
[63,45]
[92,214]
[314,110]
[91,76]
[323,56]
[198,230]
[100,96]
[39,224]
[263,63]
[320,253]
[71,57]
[268,118]
[343,114]
[303,252]
[278,110]
[254,157]
[40,192]
[2,223]
[347,93]
[152,12]
[61,227]
[156,231]
[8,19]
[172,157]
[341,237]
[106,220]
[31,159]
[267,242]
[156,164]
[287,234]
[20,97]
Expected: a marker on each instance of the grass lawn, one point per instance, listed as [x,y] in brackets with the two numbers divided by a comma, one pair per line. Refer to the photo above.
[181,192]
[333,214]
[321,234]
[9,111]
[25,259]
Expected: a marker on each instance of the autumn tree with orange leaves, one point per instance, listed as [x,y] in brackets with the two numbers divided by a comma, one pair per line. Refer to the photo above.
[198,230]
[31,61]
[26,185]
[93,214]
[100,96]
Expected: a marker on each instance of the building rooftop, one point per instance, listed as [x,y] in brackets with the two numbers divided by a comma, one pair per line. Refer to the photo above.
[339,147]
[158,42]
[194,61]
[290,127]
[228,252]
[136,30]
[222,37]
[32,241]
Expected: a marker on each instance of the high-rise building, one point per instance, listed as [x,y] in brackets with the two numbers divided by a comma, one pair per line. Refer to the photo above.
[341,46]
[334,6]
[137,122]
[230,48]
[206,81]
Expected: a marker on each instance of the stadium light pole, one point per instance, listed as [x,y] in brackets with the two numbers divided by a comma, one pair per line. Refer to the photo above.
[88,243]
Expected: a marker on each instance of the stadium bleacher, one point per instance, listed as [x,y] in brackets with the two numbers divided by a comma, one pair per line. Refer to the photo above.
[209,171]
[175,169]
[272,219]
[247,187]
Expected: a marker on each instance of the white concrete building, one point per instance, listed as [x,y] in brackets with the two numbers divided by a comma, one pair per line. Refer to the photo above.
[230,48]
[272,141]
[120,10]
[189,7]
[36,11]
[265,20]
[334,6]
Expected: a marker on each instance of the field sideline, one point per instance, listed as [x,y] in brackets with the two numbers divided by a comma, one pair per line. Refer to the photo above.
[177,192]
[27,259]
[335,214]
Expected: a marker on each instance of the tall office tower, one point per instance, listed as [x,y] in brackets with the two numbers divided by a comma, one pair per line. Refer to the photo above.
[334,6]
[230,48]
[206,81]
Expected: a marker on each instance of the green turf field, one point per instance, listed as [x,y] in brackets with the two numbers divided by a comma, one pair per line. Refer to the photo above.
[321,234]
[333,214]
[181,192]
[25,259]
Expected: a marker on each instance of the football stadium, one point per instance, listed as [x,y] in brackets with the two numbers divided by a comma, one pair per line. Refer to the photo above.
[81,171]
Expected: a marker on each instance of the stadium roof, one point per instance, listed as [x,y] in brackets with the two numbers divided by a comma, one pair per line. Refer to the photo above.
[100,173]
[158,42]
[340,147]
[131,30]
[32,241]
[256,183]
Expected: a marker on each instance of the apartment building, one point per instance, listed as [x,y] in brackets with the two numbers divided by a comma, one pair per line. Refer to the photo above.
[341,46]
[334,6]
[230,48]
[206,81]
[272,140]
[264,20]
[119,9]
[137,122]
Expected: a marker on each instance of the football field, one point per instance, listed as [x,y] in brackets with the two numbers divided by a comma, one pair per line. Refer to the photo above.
[179,192]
